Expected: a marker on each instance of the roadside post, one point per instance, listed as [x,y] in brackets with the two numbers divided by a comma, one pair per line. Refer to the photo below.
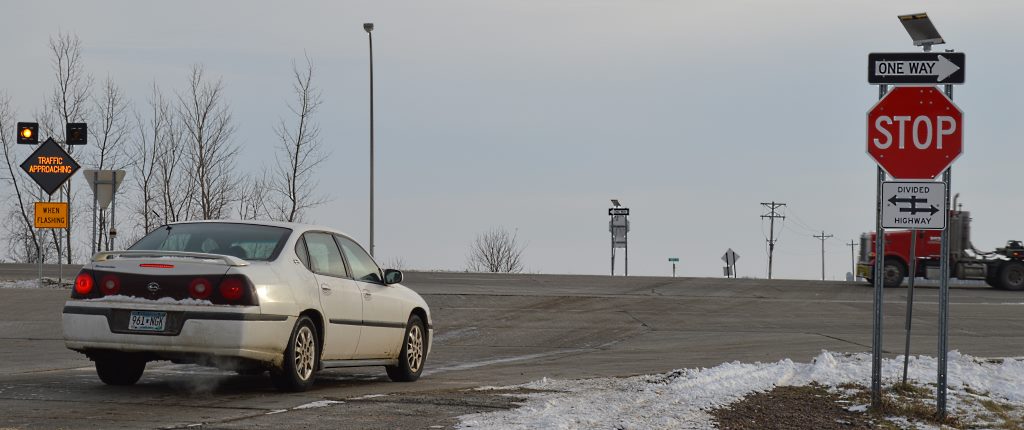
[730,258]
[914,133]
[619,228]
[49,166]
[104,184]
[673,260]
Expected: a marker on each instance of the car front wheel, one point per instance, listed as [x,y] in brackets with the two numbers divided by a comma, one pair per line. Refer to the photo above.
[414,349]
[300,359]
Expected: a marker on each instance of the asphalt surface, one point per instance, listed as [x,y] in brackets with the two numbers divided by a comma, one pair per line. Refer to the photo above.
[493,330]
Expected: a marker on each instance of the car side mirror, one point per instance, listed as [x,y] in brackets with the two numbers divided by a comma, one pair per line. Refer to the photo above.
[393,276]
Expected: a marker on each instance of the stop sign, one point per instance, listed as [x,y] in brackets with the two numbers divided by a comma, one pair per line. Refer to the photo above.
[915,132]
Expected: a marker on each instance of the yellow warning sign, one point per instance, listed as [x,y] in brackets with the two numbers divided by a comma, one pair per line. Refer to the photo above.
[51,215]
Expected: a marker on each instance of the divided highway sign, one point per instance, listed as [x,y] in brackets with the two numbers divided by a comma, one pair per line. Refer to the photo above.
[914,205]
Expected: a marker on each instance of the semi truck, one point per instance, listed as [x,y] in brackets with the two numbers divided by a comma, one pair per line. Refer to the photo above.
[1002,269]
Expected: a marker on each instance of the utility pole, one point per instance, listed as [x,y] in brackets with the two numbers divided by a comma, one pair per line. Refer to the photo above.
[772,214]
[822,237]
[853,260]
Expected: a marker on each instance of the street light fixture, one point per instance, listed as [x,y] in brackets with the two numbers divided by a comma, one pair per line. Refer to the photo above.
[921,30]
[369,32]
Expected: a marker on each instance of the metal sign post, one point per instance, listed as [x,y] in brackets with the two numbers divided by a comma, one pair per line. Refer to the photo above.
[940,401]
[876,332]
[911,274]
[919,157]
[619,228]
[673,260]
[730,258]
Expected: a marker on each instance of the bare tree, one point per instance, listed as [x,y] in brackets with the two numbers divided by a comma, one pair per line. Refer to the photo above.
[397,263]
[109,132]
[22,239]
[252,199]
[496,250]
[156,155]
[66,104]
[207,126]
[174,183]
[301,149]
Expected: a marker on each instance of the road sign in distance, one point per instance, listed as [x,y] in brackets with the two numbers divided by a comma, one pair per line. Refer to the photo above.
[28,133]
[50,166]
[916,68]
[730,257]
[618,211]
[673,259]
[104,184]
[915,132]
[914,205]
[51,215]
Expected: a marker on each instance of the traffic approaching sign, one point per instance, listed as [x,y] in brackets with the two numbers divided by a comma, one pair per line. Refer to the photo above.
[50,166]
[915,132]
[914,205]
[916,68]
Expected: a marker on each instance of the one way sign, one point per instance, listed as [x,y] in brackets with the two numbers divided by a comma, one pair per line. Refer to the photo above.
[916,68]
[914,205]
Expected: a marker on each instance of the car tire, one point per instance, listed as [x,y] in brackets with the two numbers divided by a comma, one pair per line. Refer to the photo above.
[120,368]
[301,359]
[413,354]
[1011,276]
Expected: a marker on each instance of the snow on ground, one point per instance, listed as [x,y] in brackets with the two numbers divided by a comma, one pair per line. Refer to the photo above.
[34,283]
[678,400]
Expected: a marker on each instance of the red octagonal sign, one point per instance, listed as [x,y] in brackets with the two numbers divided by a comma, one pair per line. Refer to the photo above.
[915,132]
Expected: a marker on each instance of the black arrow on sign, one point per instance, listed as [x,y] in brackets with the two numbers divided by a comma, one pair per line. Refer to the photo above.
[913,200]
[914,210]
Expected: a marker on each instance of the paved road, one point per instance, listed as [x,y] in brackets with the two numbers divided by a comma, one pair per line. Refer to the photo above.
[493,330]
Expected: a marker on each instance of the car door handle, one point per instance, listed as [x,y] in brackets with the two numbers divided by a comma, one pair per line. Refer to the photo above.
[367,295]
[325,288]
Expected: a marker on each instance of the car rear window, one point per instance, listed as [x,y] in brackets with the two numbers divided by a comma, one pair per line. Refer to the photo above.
[246,241]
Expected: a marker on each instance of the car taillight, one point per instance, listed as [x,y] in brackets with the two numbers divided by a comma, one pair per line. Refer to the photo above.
[200,288]
[232,289]
[83,284]
[109,285]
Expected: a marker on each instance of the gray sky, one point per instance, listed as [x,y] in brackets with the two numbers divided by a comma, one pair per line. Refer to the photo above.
[532,114]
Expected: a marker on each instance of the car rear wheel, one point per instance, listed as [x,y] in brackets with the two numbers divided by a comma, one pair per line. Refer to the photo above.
[300,359]
[414,350]
[120,368]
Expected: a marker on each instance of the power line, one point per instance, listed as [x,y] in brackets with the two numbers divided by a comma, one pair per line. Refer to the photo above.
[823,237]
[771,215]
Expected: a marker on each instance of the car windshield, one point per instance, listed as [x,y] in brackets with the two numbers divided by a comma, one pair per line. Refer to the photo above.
[245,241]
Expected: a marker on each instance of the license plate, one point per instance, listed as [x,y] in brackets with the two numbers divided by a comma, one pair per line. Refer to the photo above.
[147,321]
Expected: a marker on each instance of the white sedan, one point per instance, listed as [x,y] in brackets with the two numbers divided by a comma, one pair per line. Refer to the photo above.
[246,296]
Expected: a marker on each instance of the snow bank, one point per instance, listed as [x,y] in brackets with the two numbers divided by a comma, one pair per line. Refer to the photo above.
[679,399]
[34,283]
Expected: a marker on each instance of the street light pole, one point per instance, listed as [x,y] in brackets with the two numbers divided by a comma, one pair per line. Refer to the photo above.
[369,32]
